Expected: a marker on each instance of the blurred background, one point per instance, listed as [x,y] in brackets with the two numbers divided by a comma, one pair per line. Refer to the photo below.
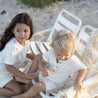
[44,12]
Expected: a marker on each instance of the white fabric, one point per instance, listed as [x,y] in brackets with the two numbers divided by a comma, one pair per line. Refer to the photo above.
[13,54]
[50,85]
[61,70]
[89,86]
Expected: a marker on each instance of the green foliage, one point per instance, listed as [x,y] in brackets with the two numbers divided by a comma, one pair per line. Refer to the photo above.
[38,3]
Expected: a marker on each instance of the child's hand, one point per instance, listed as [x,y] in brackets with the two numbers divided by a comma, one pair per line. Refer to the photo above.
[46,72]
[30,76]
[38,57]
[22,80]
[77,85]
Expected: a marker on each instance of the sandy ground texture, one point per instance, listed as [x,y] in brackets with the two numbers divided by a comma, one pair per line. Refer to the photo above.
[87,10]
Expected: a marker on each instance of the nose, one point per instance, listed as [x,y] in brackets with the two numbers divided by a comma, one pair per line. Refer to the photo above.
[22,33]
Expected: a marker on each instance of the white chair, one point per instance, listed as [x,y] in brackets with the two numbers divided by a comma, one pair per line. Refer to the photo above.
[82,39]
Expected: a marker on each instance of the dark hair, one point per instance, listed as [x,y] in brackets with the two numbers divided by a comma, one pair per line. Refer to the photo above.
[20,18]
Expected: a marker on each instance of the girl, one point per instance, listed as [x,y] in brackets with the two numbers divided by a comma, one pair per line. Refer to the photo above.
[14,46]
[57,65]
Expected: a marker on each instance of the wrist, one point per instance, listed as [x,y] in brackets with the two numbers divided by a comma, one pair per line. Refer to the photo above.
[22,75]
[77,81]
[42,69]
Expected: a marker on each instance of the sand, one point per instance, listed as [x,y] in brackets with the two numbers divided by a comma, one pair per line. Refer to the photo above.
[87,10]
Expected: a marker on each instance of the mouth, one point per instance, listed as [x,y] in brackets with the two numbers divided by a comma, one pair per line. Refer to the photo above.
[22,38]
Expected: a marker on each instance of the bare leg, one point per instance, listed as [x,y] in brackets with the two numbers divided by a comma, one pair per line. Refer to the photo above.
[33,91]
[11,89]
[6,92]
[34,66]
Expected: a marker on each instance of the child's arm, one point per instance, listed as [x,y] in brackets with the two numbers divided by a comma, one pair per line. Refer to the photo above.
[79,78]
[31,55]
[42,68]
[18,73]
[34,66]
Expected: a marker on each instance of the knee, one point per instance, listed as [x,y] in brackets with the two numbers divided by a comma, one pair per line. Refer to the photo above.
[8,93]
[40,86]
[18,90]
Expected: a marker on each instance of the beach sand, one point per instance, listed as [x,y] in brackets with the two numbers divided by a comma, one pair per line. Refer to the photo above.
[87,10]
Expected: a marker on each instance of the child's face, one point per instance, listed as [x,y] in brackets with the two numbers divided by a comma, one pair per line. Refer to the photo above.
[21,32]
[61,54]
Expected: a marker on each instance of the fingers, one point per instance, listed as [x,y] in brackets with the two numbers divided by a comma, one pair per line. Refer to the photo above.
[46,73]
[38,57]
[77,87]
[32,76]
[43,62]
[22,80]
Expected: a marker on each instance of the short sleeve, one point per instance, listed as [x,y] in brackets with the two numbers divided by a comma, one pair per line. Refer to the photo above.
[11,55]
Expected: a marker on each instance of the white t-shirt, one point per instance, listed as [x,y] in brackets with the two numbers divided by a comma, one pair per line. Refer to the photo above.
[61,70]
[13,54]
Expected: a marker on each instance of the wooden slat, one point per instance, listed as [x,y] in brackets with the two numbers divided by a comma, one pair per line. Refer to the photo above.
[80,47]
[41,47]
[84,36]
[47,45]
[57,26]
[34,48]
[68,24]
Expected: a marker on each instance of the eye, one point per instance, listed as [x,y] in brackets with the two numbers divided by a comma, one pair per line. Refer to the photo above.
[25,31]
[17,30]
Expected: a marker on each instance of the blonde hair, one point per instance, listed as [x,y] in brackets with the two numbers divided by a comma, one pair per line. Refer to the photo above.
[63,40]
